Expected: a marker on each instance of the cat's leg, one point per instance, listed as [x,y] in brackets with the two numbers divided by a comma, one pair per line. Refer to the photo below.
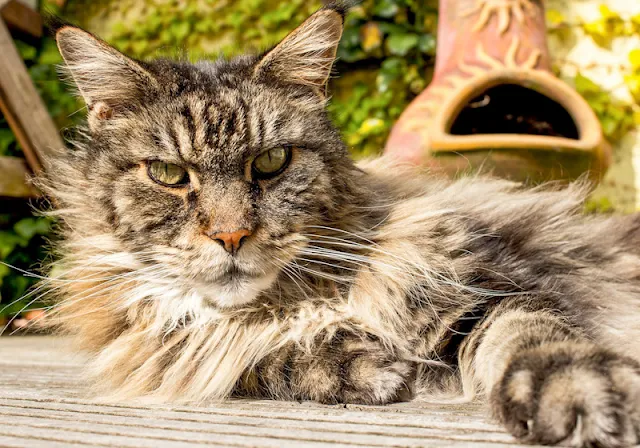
[346,369]
[550,384]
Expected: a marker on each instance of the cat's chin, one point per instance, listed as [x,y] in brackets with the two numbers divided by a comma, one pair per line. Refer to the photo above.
[239,291]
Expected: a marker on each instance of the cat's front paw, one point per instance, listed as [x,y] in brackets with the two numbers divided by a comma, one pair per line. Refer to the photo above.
[571,395]
[353,370]
[370,375]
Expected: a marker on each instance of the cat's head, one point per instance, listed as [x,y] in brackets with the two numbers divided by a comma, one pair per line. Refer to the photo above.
[211,170]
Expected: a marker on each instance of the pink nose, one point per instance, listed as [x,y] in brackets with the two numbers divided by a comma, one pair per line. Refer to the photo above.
[231,241]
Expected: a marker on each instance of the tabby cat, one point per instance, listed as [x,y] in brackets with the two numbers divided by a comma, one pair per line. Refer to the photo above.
[218,241]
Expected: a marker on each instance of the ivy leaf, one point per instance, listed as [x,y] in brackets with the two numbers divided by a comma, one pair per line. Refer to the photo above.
[607,14]
[609,126]
[427,44]
[27,52]
[140,46]
[585,86]
[8,242]
[633,84]
[371,126]
[634,58]
[401,44]
[27,228]
[4,271]
[385,9]
[6,140]
[180,30]
[555,17]
[605,29]
[371,36]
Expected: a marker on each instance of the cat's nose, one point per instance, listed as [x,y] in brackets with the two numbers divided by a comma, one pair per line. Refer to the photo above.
[231,241]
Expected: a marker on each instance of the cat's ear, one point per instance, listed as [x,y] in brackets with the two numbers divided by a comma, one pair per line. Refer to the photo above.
[106,79]
[306,55]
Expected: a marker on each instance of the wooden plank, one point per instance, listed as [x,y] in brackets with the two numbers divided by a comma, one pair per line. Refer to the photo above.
[43,397]
[23,108]
[33,4]
[22,18]
[14,178]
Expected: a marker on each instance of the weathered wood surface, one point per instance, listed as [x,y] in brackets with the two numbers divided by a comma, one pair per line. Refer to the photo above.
[14,175]
[21,16]
[45,403]
[22,106]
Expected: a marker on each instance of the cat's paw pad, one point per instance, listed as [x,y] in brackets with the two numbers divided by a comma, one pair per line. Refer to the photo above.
[570,395]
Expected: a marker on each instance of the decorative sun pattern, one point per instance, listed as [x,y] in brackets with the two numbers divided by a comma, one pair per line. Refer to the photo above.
[423,111]
[504,9]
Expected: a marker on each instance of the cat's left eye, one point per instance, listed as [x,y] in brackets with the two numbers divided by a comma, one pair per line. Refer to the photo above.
[167,174]
[272,162]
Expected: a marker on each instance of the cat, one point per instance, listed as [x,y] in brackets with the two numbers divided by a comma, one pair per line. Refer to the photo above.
[217,241]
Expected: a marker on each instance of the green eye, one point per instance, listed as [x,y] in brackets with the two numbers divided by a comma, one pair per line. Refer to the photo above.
[272,162]
[167,174]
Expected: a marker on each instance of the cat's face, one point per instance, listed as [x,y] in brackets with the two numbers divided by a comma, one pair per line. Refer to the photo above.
[212,171]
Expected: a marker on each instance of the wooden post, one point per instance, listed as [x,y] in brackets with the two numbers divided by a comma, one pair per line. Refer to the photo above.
[14,181]
[23,108]
[21,18]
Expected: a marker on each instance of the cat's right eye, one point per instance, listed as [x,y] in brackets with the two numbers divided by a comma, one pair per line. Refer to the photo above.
[167,174]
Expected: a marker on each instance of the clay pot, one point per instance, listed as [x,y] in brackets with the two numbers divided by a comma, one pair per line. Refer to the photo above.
[494,104]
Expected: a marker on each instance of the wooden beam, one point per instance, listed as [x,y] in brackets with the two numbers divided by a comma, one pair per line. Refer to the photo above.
[21,18]
[14,178]
[23,108]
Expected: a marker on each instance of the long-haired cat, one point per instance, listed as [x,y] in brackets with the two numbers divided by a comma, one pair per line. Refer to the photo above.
[218,241]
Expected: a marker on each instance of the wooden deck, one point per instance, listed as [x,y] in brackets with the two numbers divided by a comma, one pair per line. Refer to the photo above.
[43,403]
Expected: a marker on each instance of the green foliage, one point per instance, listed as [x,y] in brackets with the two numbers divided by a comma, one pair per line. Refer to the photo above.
[21,244]
[385,59]
[598,206]
[617,117]
[21,234]
[385,55]
[206,28]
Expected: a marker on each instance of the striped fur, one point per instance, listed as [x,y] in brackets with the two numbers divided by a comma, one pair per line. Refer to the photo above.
[366,283]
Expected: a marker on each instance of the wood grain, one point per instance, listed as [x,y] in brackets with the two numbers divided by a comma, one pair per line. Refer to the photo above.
[14,178]
[21,18]
[45,402]
[23,108]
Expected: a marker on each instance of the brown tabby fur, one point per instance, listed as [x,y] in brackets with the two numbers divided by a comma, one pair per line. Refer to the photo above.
[361,283]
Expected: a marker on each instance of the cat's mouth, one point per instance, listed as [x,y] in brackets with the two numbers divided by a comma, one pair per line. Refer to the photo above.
[235,286]
[234,274]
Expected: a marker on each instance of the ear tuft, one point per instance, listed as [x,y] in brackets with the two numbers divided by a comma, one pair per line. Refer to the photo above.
[341,7]
[307,54]
[101,73]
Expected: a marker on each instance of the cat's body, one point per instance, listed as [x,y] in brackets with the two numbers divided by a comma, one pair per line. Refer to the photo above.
[304,276]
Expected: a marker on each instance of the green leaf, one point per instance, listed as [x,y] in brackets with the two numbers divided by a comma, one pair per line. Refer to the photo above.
[140,46]
[585,86]
[554,17]
[609,126]
[6,140]
[8,242]
[385,9]
[427,44]
[27,52]
[4,271]
[27,228]
[180,30]
[401,44]
[634,58]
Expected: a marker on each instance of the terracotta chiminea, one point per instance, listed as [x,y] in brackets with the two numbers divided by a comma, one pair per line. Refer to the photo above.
[494,104]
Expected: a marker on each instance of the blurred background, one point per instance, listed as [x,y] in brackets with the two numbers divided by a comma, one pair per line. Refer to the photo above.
[386,58]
